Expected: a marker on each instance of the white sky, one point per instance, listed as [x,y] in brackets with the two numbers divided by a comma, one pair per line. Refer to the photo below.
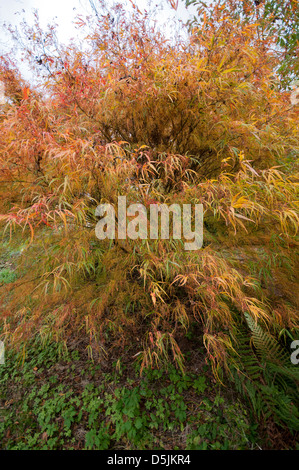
[64,12]
[13,11]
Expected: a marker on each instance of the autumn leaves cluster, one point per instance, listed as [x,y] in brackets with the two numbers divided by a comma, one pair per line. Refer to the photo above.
[129,113]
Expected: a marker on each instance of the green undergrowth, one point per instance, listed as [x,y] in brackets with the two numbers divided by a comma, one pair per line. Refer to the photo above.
[53,399]
[57,398]
[7,257]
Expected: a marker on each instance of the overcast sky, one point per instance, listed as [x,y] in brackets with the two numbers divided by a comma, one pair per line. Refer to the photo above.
[64,12]
[13,11]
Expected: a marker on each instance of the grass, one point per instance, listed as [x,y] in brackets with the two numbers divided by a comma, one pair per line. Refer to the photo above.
[7,276]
